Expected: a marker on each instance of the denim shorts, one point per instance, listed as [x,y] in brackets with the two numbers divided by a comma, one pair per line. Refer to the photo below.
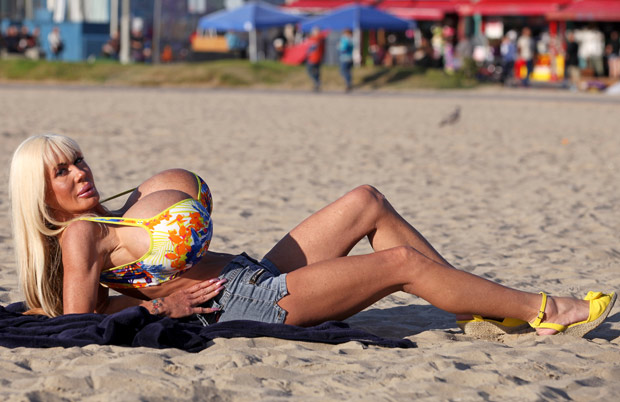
[252,292]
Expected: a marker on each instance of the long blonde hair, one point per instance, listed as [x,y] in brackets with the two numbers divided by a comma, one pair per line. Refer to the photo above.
[35,231]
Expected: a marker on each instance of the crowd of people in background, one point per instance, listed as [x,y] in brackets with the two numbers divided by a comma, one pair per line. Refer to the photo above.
[21,41]
[517,57]
[511,58]
[139,47]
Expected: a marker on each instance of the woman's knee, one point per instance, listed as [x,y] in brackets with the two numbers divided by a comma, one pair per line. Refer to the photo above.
[368,198]
[401,264]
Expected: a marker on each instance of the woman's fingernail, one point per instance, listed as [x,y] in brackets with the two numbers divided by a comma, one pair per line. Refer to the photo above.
[214,280]
[218,289]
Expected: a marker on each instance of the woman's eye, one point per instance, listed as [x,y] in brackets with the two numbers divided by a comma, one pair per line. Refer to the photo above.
[61,171]
[78,160]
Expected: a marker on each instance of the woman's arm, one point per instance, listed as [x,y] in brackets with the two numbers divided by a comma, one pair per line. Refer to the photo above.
[82,262]
[181,303]
[111,304]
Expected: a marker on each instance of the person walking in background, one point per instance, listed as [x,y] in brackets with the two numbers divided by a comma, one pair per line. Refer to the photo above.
[112,48]
[236,45]
[508,50]
[612,52]
[35,51]
[25,39]
[137,45]
[571,64]
[278,44]
[314,57]
[345,57]
[12,40]
[55,41]
[593,49]
[525,46]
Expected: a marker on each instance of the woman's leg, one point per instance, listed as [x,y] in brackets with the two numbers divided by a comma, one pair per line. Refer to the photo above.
[334,230]
[341,287]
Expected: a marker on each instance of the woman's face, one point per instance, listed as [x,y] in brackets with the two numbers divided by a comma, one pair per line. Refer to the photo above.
[71,189]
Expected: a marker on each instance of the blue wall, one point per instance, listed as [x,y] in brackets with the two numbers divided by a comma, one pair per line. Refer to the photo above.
[81,40]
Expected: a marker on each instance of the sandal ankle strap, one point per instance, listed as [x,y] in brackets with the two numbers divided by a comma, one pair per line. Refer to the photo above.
[541,312]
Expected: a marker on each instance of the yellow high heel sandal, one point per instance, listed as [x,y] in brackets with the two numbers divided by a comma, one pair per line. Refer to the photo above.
[600,307]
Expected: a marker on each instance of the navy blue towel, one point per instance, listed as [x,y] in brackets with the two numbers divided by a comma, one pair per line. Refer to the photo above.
[136,327]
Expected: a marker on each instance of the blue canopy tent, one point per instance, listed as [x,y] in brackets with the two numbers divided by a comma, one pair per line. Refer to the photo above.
[357,17]
[248,18]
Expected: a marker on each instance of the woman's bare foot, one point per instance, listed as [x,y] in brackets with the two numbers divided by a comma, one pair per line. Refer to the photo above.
[563,311]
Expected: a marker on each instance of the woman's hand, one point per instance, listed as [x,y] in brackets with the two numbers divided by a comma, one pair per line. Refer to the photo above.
[186,302]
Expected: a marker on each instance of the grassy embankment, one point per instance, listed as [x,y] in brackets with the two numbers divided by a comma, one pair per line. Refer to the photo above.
[226,74]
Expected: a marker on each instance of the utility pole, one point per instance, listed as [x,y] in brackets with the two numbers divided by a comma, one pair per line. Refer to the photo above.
[28,11]
[113,17]
[156,30]
[125,17]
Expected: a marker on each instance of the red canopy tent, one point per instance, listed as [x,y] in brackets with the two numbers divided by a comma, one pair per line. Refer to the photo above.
[427,10]
[510,7]
[587,10]
[433,10]
[321,6]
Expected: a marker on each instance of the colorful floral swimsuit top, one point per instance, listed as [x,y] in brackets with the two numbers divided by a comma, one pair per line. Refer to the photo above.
[180,236]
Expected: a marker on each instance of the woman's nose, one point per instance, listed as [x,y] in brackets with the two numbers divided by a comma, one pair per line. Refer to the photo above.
[79,173]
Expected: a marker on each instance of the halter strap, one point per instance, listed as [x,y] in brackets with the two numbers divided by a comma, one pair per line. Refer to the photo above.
[118,195]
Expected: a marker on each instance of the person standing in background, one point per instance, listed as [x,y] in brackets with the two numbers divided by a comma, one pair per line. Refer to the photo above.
[112,48]
[55,41]
[525,45]
[614,43]
[12,40]
[314,57]
[571,65]
[136,45]
[345,57]
[592,49]
[508,50]
[24,39]
[612,52]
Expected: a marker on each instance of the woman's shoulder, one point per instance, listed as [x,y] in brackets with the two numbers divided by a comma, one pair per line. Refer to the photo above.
[81,232]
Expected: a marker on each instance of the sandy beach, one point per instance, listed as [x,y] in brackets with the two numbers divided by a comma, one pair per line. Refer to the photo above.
[521,188]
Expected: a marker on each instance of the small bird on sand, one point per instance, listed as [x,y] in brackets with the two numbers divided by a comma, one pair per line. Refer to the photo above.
[452,118]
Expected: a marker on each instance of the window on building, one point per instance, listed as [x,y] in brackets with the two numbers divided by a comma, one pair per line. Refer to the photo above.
[197,6]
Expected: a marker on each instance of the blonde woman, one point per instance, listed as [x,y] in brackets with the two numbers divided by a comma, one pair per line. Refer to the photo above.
[154,251]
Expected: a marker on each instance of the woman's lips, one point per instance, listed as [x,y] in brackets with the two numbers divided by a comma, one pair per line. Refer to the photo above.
[87,191]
